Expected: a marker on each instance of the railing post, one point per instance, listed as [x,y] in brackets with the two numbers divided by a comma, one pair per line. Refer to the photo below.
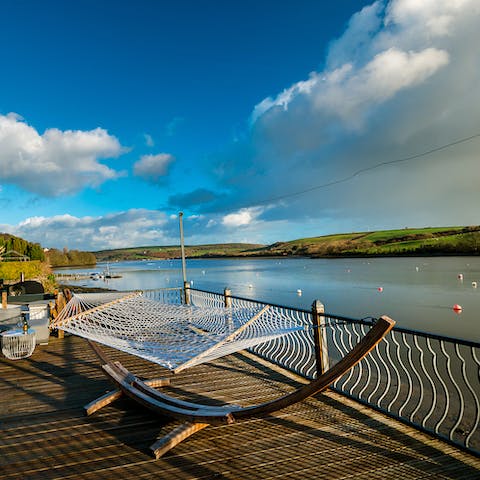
[4,299]
[186,290]
[59,305]
[227,294]
[321,351]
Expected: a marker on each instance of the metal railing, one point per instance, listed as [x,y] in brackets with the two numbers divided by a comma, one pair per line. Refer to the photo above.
[428,381]
[173,295]
[295,351]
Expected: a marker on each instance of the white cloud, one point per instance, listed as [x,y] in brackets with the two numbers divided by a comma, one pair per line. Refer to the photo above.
[137,227]
[283,99]
[435,17]
[153,167]
[403,79]
[243,217]
[211,223]
[355,41]
[148,140]
[56,162]
[122,229]
[349,93]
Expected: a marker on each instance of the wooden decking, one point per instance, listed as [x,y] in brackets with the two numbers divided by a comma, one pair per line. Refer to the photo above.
[45,435]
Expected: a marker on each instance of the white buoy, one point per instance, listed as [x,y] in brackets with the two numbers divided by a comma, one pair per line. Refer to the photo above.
[299,292]
[474,284]
[250,285]
[417,269]
[460,276]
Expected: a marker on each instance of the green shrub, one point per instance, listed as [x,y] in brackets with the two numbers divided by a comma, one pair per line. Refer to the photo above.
[10,271]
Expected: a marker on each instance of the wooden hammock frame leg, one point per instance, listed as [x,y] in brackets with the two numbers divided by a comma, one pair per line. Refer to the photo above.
[115,394]
[102,401]
[196,416]
[177,435]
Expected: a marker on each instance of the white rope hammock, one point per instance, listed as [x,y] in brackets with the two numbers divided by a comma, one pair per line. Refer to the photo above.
[174,336]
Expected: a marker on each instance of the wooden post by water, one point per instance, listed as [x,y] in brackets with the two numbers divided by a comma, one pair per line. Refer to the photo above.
[186,290]
[321,351]
[227,298]
[227,294]
[22,276]
[59,305]
[4,299]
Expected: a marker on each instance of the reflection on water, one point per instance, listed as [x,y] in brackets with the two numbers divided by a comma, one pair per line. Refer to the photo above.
[418,293]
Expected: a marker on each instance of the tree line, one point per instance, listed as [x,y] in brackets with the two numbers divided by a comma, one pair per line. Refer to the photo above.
[69,258]
[11,243]
[53,256]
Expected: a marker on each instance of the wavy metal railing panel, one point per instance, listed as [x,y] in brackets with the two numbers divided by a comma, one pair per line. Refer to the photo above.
[428,381]
[165,295]
[206,299]
[295,351]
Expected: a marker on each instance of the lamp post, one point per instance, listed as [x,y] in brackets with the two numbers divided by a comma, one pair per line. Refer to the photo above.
[182,245]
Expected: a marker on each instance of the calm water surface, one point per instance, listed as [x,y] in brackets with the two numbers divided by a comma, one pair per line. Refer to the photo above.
[417,292]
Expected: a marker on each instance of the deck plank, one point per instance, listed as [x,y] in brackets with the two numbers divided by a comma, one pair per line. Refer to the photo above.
[45,435]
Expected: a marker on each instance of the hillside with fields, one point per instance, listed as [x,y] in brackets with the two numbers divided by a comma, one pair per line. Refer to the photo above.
[166,252]
[421,241]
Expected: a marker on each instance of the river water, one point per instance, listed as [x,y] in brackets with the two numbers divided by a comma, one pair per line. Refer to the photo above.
[418,293]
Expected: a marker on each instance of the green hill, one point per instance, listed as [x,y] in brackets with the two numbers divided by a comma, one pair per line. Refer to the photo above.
[408,241]
[418,241]
[173,251]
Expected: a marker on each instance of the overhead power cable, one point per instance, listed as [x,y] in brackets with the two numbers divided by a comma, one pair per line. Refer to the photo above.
[363,170]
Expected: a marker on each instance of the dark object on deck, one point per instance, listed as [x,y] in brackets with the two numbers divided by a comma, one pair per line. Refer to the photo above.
[197,416]
[26,287]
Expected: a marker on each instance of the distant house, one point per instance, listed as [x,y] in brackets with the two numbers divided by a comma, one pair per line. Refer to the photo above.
[13,256]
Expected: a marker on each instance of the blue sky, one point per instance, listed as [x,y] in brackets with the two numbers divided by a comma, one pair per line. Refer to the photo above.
[116,115]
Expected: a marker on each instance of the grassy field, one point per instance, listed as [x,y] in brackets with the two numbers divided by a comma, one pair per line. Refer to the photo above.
[151,252]
[414,241]
[419,241]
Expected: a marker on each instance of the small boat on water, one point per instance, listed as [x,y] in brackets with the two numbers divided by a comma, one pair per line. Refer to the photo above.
[108,274]
[95,276]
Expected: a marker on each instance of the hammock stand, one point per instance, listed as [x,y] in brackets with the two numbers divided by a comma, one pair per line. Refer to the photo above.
[197,416]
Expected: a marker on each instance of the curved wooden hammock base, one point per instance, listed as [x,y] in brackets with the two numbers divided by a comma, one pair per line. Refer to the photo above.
[197,416]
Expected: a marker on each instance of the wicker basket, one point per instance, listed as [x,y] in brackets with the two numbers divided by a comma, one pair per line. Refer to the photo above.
[17,344]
